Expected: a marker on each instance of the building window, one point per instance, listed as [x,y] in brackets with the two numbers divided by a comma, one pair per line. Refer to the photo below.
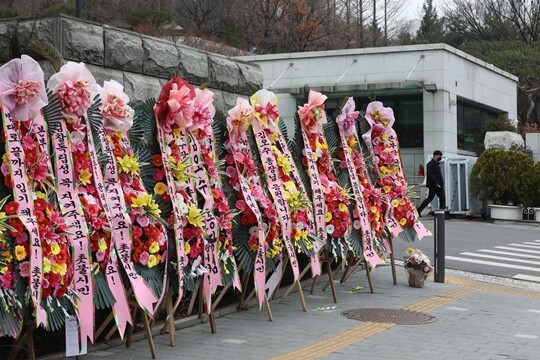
[470,120]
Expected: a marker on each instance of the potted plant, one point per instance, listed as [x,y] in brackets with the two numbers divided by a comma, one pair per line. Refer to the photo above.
[417,265]
[501,178]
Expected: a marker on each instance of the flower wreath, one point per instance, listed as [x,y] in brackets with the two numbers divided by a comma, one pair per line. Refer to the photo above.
[257,212]
[36,245]
[384,147]
[370,208]
[332,200]
[279,168]
[203,135]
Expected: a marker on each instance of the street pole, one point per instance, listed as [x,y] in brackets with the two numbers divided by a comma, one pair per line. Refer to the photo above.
[439,245]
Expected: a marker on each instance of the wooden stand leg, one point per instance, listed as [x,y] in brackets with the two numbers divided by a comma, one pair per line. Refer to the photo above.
[192,300]
[301,295]
[18,346]
[131,329]
[285,263]
[291,287]
[169,323]
[30,339]
[217,301]
[329,266]
[351,271]
[201,300]
[312,289]
[393,262]
[104,325]
[268,311]
[245,280]
[149,335]
[331,281]
[368,271]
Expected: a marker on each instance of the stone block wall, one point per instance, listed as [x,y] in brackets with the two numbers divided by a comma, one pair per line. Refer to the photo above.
[141,63]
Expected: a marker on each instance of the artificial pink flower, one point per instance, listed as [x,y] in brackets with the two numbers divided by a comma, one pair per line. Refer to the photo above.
[174,104]
[312,114]
[22,89]
[144,258]
[239,119]
[117,114]
[264,103]
[347,119]
[203,110]
[75,86]
[376,113]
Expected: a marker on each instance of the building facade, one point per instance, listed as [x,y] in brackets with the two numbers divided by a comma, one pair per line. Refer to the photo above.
[441,96]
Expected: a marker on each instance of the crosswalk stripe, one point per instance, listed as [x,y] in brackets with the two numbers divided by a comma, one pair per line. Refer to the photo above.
[516,249]
[528,278]
[526,246]
[492,263]
[536,245]
[506,253]
[501,258]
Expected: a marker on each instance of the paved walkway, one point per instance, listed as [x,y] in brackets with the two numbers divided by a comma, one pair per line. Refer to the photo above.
[474,320]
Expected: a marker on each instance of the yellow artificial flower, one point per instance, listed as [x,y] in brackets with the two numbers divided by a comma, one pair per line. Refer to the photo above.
[146,202]
[177,132]
[385,136]
[402,221]
[327,217]
[46,265]
[59,269]
[160,188]
[85,176]
[387,189]
[395,202]
[194,216]
[128,164]
[374,209]
[284,164]
[152,261]
[3,270]
[187,248]
[180,169]
[20,253]
[352,142]
[7,256]
[410,249]
[55,248]
[342,207]
[154,247]
[102,244]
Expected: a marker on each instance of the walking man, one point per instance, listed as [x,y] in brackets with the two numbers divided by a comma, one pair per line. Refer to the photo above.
[434,183]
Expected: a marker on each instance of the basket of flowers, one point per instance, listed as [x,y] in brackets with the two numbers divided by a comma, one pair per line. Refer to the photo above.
[417,265]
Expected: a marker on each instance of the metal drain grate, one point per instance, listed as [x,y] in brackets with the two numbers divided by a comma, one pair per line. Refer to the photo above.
[393,316]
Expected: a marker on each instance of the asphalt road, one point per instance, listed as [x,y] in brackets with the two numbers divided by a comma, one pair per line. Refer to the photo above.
[510,250]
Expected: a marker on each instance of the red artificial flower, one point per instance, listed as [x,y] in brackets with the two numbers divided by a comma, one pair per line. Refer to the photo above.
[12,208]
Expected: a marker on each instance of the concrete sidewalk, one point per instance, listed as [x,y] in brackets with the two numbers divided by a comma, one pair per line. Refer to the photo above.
[474,319]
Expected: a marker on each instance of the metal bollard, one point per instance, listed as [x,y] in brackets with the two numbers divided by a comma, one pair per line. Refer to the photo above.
[439,246]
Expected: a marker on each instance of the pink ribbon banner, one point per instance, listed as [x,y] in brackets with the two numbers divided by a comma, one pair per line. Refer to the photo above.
[72,211]
[121,223]
[181,260]
[295,175]
[275,186]
[23,195]
[369,253]
[212,277]
[318,197]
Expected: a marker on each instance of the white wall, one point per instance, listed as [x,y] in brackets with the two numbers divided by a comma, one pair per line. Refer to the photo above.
[457,75]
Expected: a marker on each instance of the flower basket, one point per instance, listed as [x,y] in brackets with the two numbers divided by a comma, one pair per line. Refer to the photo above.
[418,266]
[416,279]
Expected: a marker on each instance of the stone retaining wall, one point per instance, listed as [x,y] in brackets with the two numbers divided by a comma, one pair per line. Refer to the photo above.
[141,63]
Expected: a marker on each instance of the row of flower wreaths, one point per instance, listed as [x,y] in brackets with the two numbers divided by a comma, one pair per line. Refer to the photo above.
[82,223]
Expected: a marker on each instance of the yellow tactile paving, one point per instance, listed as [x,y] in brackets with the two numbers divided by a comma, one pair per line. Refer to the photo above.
[331,344]
[364,330]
